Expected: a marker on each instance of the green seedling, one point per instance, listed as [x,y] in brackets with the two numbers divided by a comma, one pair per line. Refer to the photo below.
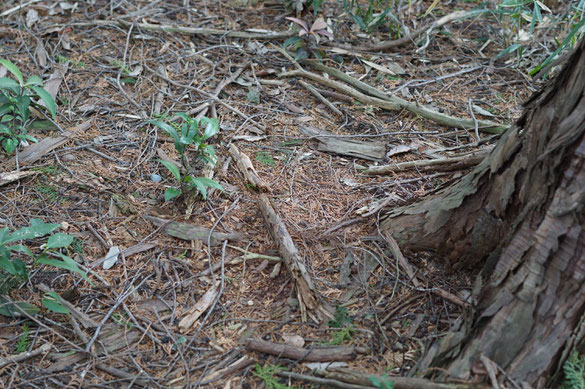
[24,340]
[16,98]
[268,375]
[193,135]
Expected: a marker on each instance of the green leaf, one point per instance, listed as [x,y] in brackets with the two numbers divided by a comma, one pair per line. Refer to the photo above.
[15,308]
[167,128]
[172,168]
[59,240]
[171,193]
[34,80]
[291,41]
[47,99]
[211,127]
[23,104]
[9,84]
[37,229]
[9,145]
[201,183]
[5,108]
[21,249]
[66,263]
[12,266]
[52,302]
[13,69]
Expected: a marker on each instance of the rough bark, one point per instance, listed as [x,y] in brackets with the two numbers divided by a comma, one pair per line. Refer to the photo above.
[520,215]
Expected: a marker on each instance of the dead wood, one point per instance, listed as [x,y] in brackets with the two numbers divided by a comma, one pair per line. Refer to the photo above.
[36,151]
[328,142]
[247,169]
[306,293]
[382,100]
[188,231]
[431,165]
[7,360]
[361,378]
[301,354]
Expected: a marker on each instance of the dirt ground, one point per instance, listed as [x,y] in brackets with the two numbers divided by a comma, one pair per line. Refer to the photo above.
[116,69]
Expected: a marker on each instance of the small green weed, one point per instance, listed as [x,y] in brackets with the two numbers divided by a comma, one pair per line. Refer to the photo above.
[343,322]
[368,20]
[309,37]
[383,383]
[122,320]
[24,340]
[574,369]
[268,375]
[16,98]
[49,191]
[190,134]
[340,318]
[265,159]
[50,170]
[253,96]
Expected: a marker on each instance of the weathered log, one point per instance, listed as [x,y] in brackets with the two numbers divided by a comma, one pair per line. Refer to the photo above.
[301,354]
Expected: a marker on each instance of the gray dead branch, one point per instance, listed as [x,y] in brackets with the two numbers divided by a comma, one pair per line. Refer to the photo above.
[307,295]
[190,232]
[437,165]
[328,142]
[302,354]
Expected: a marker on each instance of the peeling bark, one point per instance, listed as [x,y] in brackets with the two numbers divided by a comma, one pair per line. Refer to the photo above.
[520,215]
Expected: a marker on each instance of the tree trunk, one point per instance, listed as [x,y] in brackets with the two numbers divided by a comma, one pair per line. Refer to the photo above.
[520,215]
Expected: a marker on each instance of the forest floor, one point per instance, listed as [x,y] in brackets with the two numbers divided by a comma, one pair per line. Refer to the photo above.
[179,304]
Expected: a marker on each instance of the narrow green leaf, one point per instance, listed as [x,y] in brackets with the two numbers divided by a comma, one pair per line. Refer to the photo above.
[172,168]
[47,99]
[15,308]
[37,229]
[9,84]
[59,240]
[13,69]
[66,264]
[167,128]
[21,249]
[171,193]
[34,80]
[211,127]
[52,302]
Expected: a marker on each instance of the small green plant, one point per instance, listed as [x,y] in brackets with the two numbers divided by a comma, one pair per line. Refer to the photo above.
[340,318]
[343,322]
[50,191]
[383,382]
[253,96]
[574,369]
[122,320]
[268,375]
[368,20]
[342,335]
[309,37]
[24,340]
[265,159]
[185,135]
[10,256]
[16,98]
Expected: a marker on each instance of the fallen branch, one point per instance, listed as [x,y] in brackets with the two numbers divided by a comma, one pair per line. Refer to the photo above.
[483,125]
[250,34]
[25,355]
[359,378]
[301,354]
[441,164]
[306,293]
